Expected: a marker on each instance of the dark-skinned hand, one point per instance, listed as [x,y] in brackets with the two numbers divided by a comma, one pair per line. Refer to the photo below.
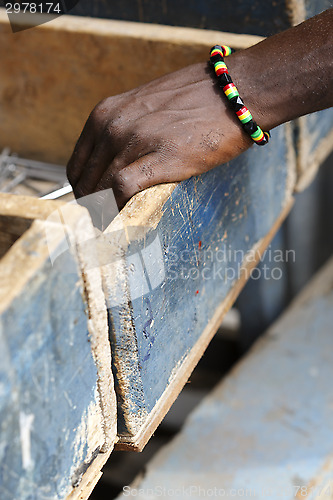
[165,131]
[180,125]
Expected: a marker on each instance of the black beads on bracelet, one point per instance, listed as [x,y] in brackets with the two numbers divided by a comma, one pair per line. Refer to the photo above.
[217,55]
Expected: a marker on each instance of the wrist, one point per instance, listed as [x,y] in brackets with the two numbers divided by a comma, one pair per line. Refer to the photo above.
[243,70]
[286,76]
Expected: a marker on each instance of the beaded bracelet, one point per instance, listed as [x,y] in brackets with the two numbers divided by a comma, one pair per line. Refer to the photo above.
[217,55]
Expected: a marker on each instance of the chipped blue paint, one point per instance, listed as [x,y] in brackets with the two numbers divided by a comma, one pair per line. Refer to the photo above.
[48,380]
[268,427]
[228,210]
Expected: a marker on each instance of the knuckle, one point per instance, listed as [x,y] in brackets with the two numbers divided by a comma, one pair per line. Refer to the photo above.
[117,163]
[119,181]
[123,186]
[101,111]
[147,171]
[95,114]
[126,186]
[102,106]
[108,131]
[111,128]
[167,146]
[115,125]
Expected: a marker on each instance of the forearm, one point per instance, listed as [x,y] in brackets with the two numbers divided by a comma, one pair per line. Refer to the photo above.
[287,75]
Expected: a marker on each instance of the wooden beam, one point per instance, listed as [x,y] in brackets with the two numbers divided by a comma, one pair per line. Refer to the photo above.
[267,427]
[173,267]
[57,406]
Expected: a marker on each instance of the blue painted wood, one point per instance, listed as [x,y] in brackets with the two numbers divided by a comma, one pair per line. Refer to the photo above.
[313,7]
[242,16]
[51,422]
[190,262]
[267,430]
[318,126]
[266,294]
[305,242]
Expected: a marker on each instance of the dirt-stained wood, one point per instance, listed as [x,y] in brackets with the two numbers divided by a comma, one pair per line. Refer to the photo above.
[165,281]
[266,430]
[58,411]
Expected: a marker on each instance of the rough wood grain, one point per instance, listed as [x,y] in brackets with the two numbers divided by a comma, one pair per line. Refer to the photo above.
[268,424]
[11,228]
[165,283]
[57,402]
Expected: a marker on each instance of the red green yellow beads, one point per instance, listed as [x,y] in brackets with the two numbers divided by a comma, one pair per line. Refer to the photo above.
[217,54]
[244,115]
[230,91]
[258,135]
[226,50]
[216,51]
[220,67]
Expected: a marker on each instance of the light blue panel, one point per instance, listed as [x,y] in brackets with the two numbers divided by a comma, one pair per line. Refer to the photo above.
[318,125]
[267,293]
[313,7]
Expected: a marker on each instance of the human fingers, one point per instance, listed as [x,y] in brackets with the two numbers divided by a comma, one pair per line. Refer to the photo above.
[81,153]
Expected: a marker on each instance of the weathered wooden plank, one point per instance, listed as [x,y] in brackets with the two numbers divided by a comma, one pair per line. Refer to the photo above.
[177,269]
[11,228]
[57,403]
[241,16]
[267,428]
[53,75]
[301,246]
